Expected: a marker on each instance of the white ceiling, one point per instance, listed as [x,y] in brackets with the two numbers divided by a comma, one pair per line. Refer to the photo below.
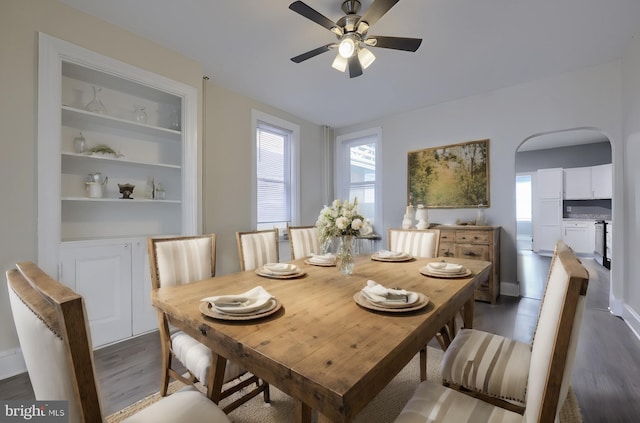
[469,47]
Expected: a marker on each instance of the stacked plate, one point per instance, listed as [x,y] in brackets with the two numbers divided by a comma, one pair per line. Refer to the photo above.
[442,269]
[280,271]
[321,260]
[377,297]
[386,255]
[256,302]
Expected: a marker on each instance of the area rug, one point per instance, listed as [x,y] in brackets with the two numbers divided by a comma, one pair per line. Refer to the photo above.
[384,408]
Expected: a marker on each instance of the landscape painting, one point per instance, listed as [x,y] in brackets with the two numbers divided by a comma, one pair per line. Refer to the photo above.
[451,176]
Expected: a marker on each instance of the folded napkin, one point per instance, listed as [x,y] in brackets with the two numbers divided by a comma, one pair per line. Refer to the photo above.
[280,268]
[247,302]
[323,258]
[378,294]
[444,267]
[391,254]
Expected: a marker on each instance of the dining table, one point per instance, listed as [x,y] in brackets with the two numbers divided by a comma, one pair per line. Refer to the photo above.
[322,345]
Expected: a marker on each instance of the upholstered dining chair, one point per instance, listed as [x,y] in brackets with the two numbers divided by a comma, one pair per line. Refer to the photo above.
[181,260]
[257,248]
[549,366]
[51,322]
[500,364]
[303,241]
[417,242]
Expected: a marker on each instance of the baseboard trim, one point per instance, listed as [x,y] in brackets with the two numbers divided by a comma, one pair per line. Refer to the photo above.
[632,319]
[509,289]
[11,363]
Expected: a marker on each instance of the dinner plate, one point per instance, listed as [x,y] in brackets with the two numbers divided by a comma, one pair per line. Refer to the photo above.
[272,306]
[393,304]
[361,300]
[435,274]
[268,274]
[317,263]
[378,257]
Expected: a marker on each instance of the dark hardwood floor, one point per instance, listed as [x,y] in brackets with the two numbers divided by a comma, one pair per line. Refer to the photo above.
[606,376]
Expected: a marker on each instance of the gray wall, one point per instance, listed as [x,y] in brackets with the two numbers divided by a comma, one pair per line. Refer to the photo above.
[575,156]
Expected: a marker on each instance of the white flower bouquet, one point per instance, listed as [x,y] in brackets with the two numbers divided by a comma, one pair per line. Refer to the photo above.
[340,219]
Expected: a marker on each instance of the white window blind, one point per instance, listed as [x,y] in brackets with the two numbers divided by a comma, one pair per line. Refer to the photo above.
[273,174]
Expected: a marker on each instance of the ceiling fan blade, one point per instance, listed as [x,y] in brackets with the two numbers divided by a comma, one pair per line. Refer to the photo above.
[377,10]
[312,14]
[396,43]
[312,53]
[355,68]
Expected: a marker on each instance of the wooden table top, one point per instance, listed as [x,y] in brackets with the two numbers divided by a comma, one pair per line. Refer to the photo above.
[321,347]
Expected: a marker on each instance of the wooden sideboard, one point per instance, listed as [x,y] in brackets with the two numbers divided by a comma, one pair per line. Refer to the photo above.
[479,243]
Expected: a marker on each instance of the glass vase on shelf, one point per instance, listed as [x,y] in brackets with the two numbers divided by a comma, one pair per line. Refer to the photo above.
[344,255]
[140,114]
[96,105]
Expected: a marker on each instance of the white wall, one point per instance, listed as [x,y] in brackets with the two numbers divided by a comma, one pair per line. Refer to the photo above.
[631,184]
[588,98]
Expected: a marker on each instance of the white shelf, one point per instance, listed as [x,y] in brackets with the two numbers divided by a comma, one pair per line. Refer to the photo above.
[118,160]
[71,113]
[119,200]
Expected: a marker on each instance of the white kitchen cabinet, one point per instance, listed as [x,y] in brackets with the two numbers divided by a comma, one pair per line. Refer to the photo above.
[577,183]
[588,183]
[579,235]
[162,146]
[602,181]
[547,210]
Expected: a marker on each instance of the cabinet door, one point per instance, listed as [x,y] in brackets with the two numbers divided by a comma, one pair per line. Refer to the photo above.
[547,210]
[102,275]
[602,181]
[144,314]
[577,183]
[577,237]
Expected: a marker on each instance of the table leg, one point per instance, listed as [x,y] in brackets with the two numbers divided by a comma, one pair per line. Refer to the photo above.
[303,412]
[423,364]
[216,378]
[467,313]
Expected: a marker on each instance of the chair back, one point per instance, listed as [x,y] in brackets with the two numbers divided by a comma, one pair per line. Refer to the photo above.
[51,322]
[556,338]
[418,243]
[303,241]
[181,260]
[257,248]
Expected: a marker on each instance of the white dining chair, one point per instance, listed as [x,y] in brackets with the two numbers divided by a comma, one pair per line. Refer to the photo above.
[549,367]
[417,242]
[500,364]
[257,248]
[304,241]
[177,261]
[51,323]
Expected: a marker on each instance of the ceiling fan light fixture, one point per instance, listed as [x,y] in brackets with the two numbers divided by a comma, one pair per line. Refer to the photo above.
[340,63]
[347,47]
[366,57]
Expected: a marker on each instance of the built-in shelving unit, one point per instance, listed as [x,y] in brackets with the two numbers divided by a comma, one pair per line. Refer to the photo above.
[97,244]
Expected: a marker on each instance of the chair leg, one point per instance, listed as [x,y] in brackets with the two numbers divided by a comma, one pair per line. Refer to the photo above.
[266,394]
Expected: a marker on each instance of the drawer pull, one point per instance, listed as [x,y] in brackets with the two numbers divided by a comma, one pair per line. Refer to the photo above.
[469,253]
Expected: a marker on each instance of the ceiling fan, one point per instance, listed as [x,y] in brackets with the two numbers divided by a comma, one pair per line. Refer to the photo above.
[352,32]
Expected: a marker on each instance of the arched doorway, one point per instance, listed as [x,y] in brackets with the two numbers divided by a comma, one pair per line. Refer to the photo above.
[578,148]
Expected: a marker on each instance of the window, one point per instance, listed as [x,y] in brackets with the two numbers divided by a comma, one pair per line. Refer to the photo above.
[523,197]
[358,171]
[276,191]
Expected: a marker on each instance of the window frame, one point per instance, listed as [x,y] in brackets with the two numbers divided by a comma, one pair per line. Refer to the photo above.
[343,162]
[256,118]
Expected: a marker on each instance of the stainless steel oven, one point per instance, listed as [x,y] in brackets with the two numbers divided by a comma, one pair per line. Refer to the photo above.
[600,250]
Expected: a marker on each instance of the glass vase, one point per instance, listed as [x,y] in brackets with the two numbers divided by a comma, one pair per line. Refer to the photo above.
[95,105]
[344,255]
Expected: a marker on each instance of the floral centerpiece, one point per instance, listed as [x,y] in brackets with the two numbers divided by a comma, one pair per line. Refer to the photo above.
[342,220]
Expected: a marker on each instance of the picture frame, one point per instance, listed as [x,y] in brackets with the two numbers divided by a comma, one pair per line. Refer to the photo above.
[450,176]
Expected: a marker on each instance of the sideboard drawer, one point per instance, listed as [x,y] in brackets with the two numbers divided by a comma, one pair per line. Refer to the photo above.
[472,237]
[475,252]
[447,236]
